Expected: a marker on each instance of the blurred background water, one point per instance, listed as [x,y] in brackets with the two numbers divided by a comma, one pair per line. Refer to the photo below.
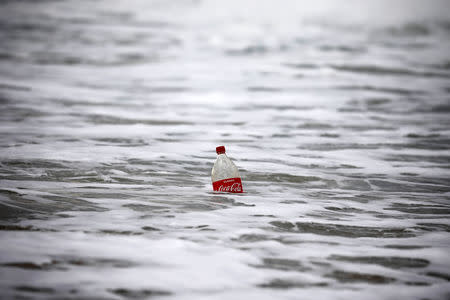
[335,112]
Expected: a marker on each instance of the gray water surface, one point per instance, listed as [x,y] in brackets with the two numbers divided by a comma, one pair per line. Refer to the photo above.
[335,112]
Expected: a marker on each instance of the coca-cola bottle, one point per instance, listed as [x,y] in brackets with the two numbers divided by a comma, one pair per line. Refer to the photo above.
[224,175]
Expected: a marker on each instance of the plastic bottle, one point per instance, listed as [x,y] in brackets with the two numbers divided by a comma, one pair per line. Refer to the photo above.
[225,175]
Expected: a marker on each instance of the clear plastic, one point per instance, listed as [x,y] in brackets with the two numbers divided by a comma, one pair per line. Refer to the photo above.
[224,168]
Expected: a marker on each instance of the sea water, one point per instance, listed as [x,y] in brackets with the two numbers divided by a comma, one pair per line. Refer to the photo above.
[335,112]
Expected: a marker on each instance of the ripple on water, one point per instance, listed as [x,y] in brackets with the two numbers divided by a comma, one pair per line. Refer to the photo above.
[347,277]
[283,264]
[392,262]
[291,284]
[65,263]
[348,231]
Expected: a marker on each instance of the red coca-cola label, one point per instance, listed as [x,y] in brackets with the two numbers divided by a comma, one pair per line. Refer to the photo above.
[230,185]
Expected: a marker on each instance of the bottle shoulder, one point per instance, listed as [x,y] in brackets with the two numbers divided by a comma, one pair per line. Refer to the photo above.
[224,168]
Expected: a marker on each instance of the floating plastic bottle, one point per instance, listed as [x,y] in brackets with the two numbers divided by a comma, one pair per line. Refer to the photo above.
[225,175]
